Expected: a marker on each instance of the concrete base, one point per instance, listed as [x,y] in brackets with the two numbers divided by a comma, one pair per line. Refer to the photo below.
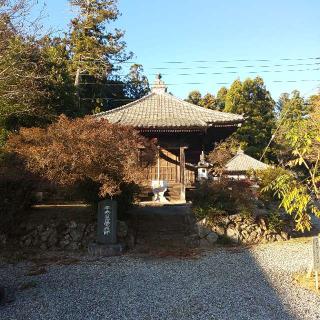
[106,250]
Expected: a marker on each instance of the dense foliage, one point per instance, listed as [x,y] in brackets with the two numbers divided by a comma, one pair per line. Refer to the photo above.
[222,153]
[299,191]
[34,83]
[84,150]
[208,101]
[43,76]
[252,99]
[223,197]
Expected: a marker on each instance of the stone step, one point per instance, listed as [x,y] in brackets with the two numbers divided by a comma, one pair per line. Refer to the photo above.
[163,230]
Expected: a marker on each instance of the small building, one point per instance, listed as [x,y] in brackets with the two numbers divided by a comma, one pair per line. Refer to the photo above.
[183,131]
[238,167]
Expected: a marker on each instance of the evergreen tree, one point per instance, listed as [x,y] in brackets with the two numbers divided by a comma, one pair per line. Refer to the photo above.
[137,84]
[94,49]
[194,97]
[95,53]
[293,106]
[253,100]
[283,99]
[221,98]
[208,101]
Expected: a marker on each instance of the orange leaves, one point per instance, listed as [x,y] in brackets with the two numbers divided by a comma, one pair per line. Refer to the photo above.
[71,151]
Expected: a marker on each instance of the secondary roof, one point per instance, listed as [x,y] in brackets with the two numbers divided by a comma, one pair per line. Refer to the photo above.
[241,162]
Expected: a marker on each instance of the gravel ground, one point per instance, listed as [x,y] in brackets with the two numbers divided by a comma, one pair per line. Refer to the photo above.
[234,283]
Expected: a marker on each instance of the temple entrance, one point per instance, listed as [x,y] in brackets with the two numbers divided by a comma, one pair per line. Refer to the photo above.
[166,168]
[170,167]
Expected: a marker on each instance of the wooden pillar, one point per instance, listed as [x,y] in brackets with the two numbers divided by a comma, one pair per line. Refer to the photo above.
[182,173]
[158,164]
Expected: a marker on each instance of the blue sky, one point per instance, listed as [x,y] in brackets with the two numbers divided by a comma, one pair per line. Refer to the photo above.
[208,36]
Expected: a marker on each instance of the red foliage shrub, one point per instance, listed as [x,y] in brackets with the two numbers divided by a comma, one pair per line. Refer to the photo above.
[84,149]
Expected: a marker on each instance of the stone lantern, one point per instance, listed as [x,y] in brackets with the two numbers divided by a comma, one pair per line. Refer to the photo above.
[203,168]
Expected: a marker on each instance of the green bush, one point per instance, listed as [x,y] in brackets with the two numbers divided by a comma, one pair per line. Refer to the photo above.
[265,178]
[275,223]
[224,197]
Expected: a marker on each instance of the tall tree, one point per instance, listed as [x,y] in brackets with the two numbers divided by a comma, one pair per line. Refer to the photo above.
[283,99]
[194,97]
[34,83]
[137,84]
[221,98]
[293,106]
[96,51]
[300,137]
[208,101]
[253,100]
[290,108]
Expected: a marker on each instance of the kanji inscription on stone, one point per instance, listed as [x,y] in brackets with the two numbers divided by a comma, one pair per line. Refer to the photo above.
[107,222]
[316,254]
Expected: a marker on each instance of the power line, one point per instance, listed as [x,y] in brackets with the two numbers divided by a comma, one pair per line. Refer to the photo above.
[236,72]
[236,67]
[226,66]
[223,73]
[197,83]
[227,61]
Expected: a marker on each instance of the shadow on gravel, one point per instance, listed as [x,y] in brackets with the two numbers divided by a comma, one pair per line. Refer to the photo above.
[221,284]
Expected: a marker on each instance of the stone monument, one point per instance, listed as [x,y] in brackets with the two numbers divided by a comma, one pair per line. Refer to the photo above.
[106,243]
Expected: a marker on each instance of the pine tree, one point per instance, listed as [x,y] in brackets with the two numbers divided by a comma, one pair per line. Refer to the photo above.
[95,50]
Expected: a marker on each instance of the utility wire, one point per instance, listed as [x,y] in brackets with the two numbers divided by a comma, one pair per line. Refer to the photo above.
[228,67]
[197,83]
[128,99]
[226,61]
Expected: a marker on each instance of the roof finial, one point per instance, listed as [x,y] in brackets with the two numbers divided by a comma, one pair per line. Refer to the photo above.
[240,151]
[159,86]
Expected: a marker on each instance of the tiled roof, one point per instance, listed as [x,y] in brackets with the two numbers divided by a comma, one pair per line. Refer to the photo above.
[160,110]
[242,162]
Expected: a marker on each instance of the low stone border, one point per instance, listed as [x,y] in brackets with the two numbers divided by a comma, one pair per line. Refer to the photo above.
[63,235]
[239,229]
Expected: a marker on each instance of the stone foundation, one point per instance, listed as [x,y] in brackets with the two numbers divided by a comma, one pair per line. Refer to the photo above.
[170,230]
[59,236]
[238,229]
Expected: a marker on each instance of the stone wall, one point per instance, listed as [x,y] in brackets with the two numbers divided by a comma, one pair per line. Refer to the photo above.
[238,229]
[74,235]
[59,236]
